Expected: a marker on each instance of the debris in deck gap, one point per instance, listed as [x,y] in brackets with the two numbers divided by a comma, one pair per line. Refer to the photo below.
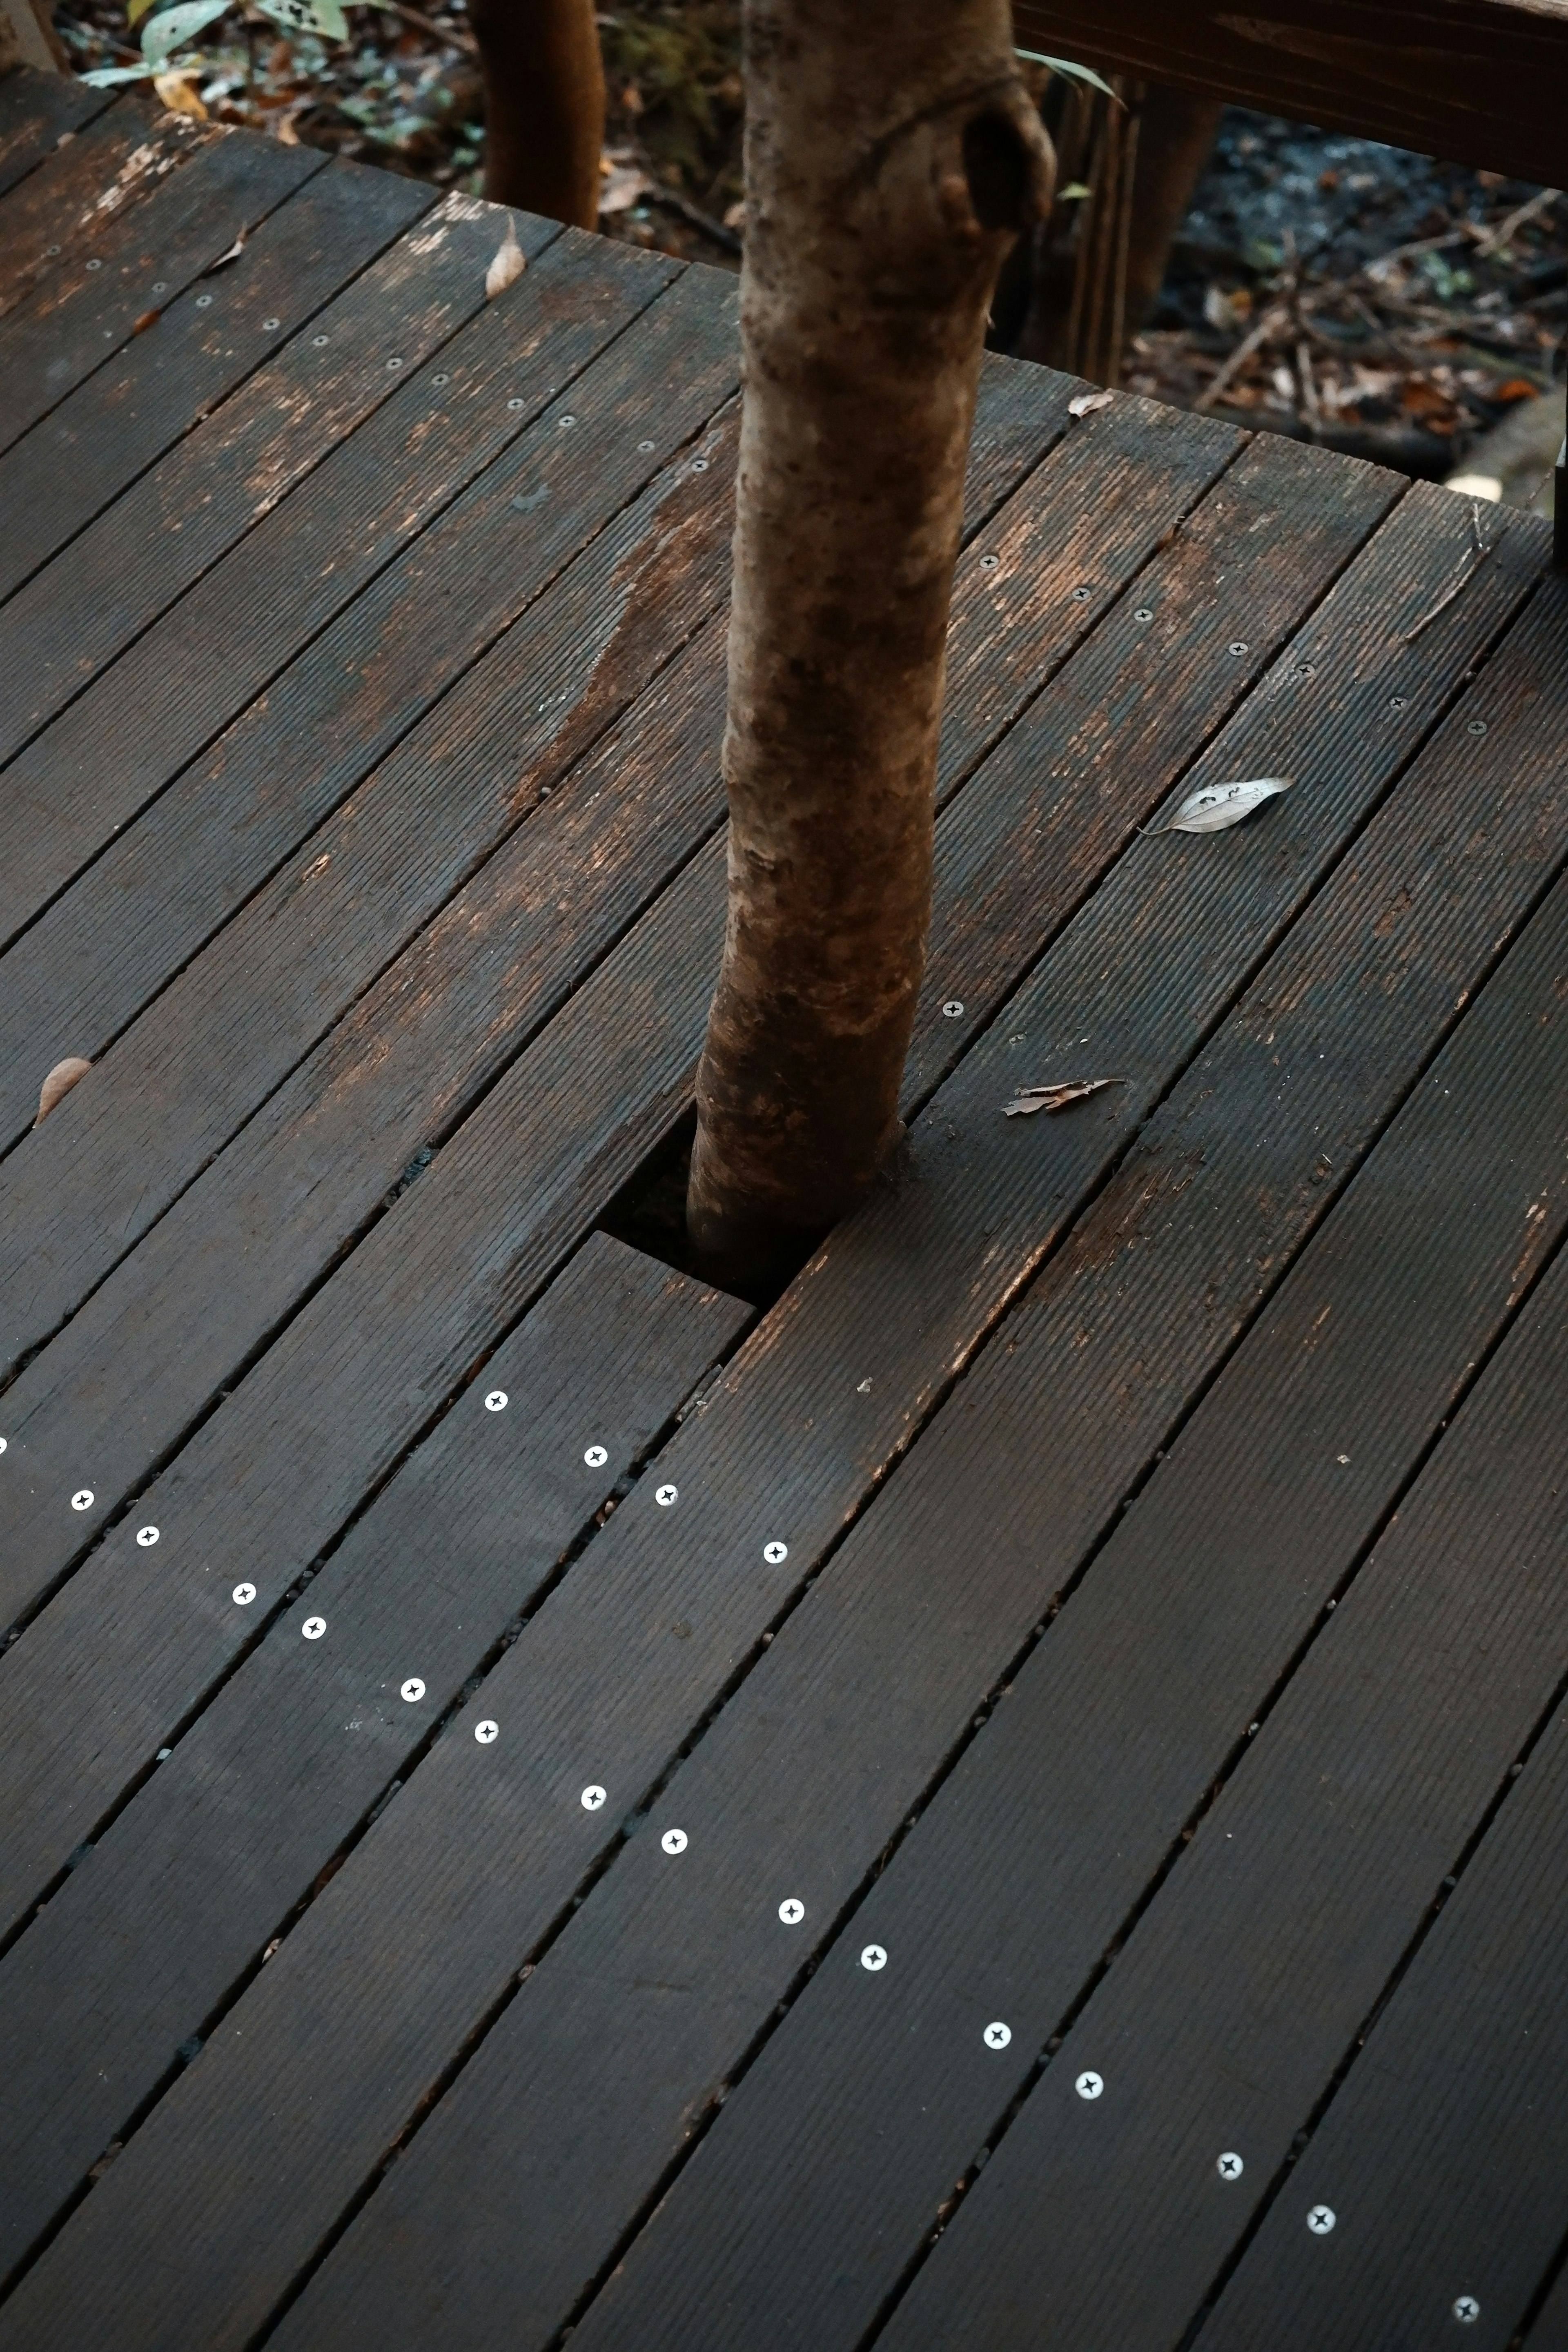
[58,1083]
[1029,1099]
[1216,806]
[508,265]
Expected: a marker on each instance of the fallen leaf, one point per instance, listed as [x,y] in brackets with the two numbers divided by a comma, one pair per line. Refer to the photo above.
[625,184]
[1029,1099]
[508,265]
[235,250]
[177,95]
[1088,402]
[1219,805]
[148,318]
[58,1083]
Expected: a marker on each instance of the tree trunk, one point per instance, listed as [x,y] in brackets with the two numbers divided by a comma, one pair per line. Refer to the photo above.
[544,105]
[892,153]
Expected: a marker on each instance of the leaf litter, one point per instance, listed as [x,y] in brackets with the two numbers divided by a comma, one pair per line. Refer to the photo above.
[1217,806]
[1029,1099]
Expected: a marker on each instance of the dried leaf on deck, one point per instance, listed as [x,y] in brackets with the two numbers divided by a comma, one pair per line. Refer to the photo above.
[508,265]
[58,1083]
[1029,1099]
[1219,805]
[235,250]
[1088,402]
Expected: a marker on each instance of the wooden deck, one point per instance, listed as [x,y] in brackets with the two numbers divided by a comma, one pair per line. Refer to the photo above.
[974,1807]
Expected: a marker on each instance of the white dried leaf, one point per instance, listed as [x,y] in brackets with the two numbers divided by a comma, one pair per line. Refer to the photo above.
[1219,805]
[508,265]
[1029,1099]
[58,1083]
[1088,402]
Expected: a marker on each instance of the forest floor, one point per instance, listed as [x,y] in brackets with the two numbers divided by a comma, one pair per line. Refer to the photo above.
[1326,287]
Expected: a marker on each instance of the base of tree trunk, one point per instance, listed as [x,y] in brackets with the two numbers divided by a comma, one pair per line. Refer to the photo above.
[544,105]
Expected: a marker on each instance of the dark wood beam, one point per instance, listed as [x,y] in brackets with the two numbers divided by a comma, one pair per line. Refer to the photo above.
[1475,81]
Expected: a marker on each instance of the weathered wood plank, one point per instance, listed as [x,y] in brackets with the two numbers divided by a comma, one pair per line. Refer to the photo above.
[979,1219]
[310,947]
[1444,2156]
[97,174]
[1241,1990]
[834,2158]
[257,1799]
[797,1789]
[36,112]
[1478,81]
[75,461]
[151,257]
[1549,2333]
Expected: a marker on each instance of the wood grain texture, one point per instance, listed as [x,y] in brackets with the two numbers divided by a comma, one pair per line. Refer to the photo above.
[37,109]
[90,309]
[1476,81]
[138,1950]
[770,1454]
[122,420]
[833,2159]
[1444,2154]
[109,165]
[1243,1987]
[1550,2332]
[161,536]
[798,1787]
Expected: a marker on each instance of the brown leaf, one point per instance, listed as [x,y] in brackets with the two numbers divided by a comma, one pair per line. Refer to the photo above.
[1029,1099]
[1088,402]
[58,1083]
[235,250]
[148,318]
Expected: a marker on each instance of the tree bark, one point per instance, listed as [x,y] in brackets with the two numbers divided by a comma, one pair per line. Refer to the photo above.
[892,153]
[544,105]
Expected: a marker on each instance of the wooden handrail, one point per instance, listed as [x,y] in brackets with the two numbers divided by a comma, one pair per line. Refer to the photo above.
[1474,81]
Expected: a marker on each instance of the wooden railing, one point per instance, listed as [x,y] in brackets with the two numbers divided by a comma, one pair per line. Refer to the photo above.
[1474,81]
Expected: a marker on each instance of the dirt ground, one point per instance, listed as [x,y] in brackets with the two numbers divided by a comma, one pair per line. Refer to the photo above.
[1383,303]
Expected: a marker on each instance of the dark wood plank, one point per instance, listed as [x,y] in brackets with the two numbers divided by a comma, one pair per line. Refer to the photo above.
[979,1215]
[151,257]
[36,112]
[308,948]
[1549,2333]
[94,175]
[370,499]
[305,1742]
[834,2157]
[122,420]
[1221,2023]
[798,1788]
[1479,81]
[1444,2155]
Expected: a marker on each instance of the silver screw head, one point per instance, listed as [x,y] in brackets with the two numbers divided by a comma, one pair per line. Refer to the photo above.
[392,365]
[644,447]
[146,1538]
[1238,647]
[700,465]
[1466,2310]
[775,1554]
[95,264]
[990,563]
[321,341]
[1477,727]
[82,1499]
[996,2035]
[1089,2085]
[1321,2220]
[953,1009]
[442,378]
[271,326]
[1398,701]
[674,1841]
[486,1732]
[496,1401]
[792,1910]
[1081,595]
[160,286]
[413,1690]
[595,1457]
[873,1958]
[314,1628]
[665,1496]
[2,1445]
[592,1797]
[1230,2166]
[564,424]
[1143,613]
[243,1594]
[514,404]
[203,301]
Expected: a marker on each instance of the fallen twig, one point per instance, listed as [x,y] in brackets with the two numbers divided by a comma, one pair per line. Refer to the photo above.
[1475,555]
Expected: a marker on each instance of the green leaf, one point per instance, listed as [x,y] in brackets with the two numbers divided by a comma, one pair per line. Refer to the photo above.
[105,76]
[171,29]
[1073,72]
[323,16]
